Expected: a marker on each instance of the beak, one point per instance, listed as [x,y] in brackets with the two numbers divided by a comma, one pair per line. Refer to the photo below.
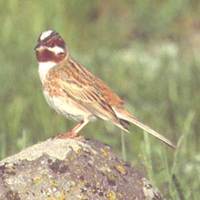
[37,47]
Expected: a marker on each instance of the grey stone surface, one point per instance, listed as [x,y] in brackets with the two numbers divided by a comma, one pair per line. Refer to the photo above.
[71,169]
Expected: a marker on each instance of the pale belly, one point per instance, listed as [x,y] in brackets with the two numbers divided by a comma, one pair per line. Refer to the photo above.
[67,108]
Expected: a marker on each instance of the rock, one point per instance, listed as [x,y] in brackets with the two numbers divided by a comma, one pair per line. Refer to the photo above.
[71,169]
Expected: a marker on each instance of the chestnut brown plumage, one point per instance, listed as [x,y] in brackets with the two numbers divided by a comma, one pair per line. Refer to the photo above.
[75,92]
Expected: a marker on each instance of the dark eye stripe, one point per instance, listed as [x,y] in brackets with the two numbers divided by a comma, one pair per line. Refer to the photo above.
[46,55]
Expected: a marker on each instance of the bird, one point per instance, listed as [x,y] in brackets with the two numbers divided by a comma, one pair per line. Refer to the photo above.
[73,91]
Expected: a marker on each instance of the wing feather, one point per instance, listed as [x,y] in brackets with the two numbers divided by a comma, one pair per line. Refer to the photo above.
[89,97]
[90,92]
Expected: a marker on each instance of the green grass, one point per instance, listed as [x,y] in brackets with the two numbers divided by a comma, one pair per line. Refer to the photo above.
[147,52]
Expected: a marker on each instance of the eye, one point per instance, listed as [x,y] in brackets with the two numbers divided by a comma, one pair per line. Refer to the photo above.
[61,53]
[51,44]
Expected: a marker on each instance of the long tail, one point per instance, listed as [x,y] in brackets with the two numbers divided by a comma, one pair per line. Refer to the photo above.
[128,117]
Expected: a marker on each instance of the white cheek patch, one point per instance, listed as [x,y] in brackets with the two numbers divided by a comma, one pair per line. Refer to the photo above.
[56,49]
[45,34]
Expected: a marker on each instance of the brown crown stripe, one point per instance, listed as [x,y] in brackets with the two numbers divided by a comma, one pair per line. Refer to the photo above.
[53,40]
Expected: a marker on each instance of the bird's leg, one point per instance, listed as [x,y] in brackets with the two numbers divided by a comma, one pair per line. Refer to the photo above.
[73,132]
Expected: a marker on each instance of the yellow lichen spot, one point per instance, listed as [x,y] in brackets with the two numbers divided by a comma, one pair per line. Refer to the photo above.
[105,152]
[111,195]
[121,169]
[37,180]
[62,196]
[54,183]
[59,197]
[79,151]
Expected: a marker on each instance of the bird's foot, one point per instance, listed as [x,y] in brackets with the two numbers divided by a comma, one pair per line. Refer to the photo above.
[68,135]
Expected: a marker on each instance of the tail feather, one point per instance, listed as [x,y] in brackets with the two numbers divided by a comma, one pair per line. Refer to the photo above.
[127,117]
[123,124]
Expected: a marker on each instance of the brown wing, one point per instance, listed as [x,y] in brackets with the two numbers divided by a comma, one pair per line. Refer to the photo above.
[109,95]
[80,85]
[88,97]
[88,78]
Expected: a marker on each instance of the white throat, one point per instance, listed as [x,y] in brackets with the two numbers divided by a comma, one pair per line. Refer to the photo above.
[44,68]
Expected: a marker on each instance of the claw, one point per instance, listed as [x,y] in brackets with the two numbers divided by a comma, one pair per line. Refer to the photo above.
[70,134]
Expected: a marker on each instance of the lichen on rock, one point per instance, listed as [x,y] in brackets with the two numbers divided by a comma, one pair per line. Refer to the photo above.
[72,169]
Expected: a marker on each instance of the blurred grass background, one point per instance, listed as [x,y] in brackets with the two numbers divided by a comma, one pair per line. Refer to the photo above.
[147,51]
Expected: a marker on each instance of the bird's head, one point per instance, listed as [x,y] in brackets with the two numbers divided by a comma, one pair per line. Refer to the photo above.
[50,47]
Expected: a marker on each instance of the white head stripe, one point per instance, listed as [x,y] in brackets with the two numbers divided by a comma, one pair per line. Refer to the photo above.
[56,49]
[45,34]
